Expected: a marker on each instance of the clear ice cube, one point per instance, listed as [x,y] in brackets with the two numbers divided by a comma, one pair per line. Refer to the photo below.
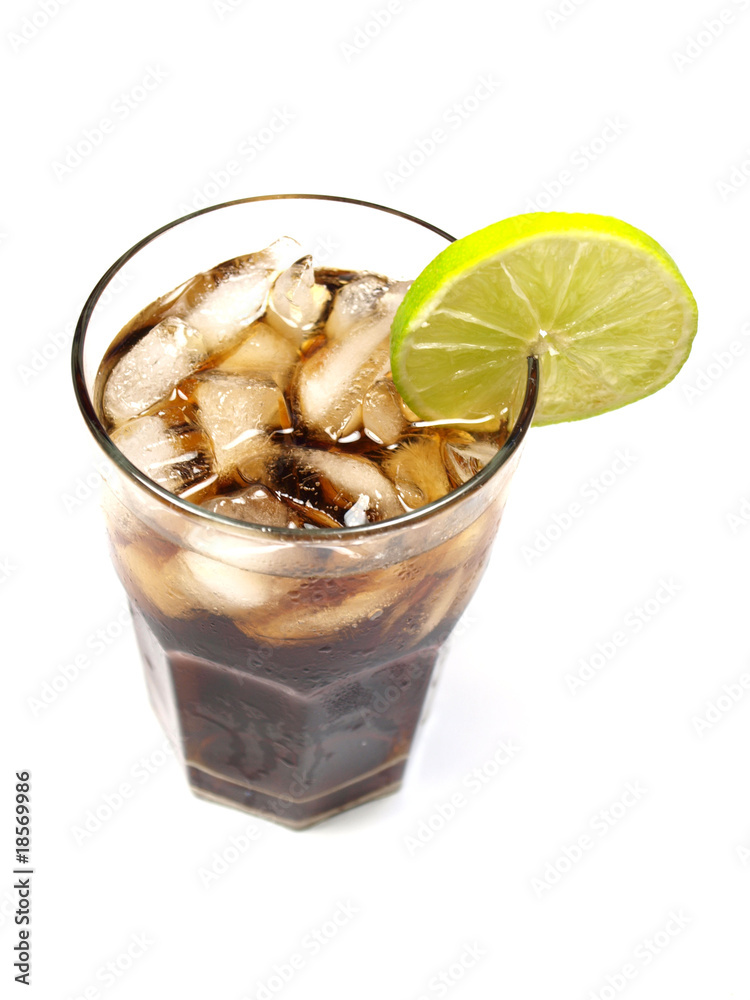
[329,386]
[297,304]
[237,413]
[222,302]
[256,505]
[464,456]
[227,299]
[382,413]
[343,479]
[222,589]
[156,579]
[146,373]
[322,607]
[177,456]
[358,301]
[264,353]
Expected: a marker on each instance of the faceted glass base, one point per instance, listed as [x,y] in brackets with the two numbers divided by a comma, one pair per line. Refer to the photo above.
[269,737]
[297,815]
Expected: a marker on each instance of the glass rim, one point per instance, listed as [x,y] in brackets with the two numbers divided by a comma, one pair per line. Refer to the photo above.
[95,426]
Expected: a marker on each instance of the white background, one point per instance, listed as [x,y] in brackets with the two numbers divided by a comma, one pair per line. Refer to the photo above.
[360,97]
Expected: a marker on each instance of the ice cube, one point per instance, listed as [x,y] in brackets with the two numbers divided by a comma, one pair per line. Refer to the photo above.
[149,370]
[449,593]
[177,456]
[223,589]
[382,413]
[222,302]
[258,468]
[237,413]
[416,469]
[189,583]
[264,353]
[310,515]
[356,516]
[356,302]
[323,607]
[147,575]
[339,481]
[297,304]
[329,386]
[332,384]
[233,295]
[313,517]
[464,455]
[256,505]
[274,467]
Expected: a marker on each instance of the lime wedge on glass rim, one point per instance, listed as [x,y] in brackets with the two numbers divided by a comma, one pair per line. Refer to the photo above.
[599,303]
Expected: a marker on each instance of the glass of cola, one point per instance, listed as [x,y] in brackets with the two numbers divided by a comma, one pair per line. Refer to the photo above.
[295,544]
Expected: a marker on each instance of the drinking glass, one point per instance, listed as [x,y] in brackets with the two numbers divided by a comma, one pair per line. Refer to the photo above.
[288,667]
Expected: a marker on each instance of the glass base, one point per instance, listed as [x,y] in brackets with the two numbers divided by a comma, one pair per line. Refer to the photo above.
[287,812]
[268,736]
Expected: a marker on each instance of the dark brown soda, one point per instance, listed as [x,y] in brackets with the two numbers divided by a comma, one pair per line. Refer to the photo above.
[297,730]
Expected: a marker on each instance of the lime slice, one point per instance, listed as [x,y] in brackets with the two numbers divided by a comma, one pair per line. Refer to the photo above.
[599,303]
